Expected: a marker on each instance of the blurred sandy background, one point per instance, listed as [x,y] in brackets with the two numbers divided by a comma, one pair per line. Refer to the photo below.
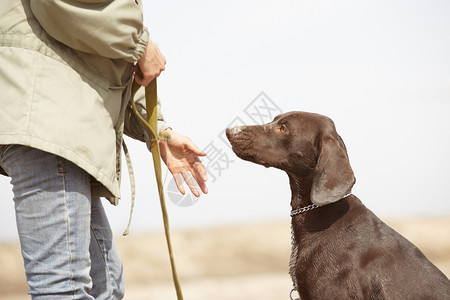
[230,263]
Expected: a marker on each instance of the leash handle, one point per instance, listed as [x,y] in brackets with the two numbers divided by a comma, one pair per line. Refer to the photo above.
[150,125]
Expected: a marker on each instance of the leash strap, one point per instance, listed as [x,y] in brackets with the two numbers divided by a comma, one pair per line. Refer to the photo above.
[150,126]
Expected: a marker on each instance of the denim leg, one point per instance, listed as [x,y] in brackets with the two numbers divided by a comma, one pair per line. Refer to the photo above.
[106,269]
[53,213]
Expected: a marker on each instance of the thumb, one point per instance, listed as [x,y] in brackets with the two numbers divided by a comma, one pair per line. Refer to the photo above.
[138,79]
[192,147]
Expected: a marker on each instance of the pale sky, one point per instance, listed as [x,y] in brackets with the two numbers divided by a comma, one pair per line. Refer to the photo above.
[379,69]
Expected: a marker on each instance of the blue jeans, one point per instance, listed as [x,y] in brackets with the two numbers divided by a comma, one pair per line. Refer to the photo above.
[66,241]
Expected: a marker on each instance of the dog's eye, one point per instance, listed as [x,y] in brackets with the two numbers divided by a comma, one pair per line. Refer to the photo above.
[283,129]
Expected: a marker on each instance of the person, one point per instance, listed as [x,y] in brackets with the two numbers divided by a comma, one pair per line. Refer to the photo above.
[66,73]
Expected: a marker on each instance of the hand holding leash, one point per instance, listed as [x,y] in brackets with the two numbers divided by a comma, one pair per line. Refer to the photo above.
[151,64]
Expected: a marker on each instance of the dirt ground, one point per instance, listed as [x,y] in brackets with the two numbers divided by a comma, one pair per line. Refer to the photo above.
[231,263]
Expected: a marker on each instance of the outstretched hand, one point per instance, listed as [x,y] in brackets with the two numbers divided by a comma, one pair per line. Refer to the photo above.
[181,156]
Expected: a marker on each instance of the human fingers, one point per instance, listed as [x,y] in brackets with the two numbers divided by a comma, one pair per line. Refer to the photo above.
[148,75]
[151,64]
[141,80]
[178,182]
[200,181]
[188,179]
[200,169]
[194,149]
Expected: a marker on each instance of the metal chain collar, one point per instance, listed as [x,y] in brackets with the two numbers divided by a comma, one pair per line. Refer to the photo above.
[309,207]
[303,209]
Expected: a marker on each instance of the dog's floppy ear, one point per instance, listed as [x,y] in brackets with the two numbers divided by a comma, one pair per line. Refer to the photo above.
[333,175]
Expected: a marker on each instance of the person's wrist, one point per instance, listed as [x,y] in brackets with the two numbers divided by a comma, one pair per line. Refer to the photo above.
[165,133]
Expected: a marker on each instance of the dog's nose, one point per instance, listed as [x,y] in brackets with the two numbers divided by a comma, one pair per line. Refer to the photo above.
[233,130]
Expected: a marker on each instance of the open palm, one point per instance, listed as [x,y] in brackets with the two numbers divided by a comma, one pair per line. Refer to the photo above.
[181,156]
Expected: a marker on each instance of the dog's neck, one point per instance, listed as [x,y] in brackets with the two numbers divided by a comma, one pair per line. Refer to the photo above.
[307,218]
[309,222]
[301,190]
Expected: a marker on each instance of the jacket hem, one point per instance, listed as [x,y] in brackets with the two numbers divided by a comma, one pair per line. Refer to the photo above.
[109,186]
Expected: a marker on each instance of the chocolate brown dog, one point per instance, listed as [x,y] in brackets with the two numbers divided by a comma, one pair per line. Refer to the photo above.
[341,249]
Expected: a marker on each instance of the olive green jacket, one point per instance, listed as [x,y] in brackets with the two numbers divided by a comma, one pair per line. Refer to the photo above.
[65,76]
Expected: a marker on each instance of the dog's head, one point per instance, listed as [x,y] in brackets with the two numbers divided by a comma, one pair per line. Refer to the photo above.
[304,144]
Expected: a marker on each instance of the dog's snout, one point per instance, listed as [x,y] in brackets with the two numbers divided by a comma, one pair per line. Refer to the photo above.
[233,130]
[267,127]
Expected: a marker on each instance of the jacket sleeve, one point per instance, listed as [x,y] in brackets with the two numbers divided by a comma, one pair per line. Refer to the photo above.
[133,126]
[109,28]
